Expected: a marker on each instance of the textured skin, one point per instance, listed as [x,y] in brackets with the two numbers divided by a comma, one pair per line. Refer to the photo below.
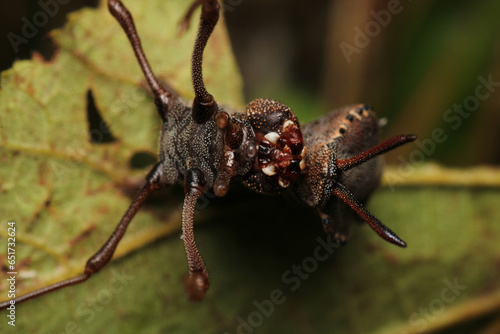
[185,144]
[341,134]
[268,117]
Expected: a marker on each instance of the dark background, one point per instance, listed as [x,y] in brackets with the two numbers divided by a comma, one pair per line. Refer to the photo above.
[427,58]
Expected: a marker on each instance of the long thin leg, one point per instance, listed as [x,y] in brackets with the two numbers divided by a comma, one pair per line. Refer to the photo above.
[163,96]
[381,148]
[204,105]
[196,283]
[104,255]
[383,231]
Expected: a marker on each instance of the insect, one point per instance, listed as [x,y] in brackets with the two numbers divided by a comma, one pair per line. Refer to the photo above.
[329,164]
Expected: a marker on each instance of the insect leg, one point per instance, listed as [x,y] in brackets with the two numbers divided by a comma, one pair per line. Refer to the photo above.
[102,257]
[97,261]
[163,96]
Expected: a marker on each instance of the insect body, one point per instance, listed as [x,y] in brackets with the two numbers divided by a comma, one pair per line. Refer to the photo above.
[328,164]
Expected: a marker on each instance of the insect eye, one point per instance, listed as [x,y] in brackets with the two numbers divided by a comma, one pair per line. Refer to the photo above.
[251,150]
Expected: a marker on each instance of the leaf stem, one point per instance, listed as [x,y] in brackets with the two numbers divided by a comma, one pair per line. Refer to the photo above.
[431,174]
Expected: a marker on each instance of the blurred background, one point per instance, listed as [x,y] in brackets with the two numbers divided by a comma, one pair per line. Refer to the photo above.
[418,63]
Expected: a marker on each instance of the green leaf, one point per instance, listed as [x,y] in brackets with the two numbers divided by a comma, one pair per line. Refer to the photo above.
[270,270]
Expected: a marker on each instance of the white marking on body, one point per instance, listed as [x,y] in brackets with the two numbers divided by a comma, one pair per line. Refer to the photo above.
[272,137]
[355,114]
[302,164]
[283,183]
[269,170]
[287,125]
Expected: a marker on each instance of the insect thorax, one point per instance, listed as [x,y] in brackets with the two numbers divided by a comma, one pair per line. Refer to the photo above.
[185,144]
